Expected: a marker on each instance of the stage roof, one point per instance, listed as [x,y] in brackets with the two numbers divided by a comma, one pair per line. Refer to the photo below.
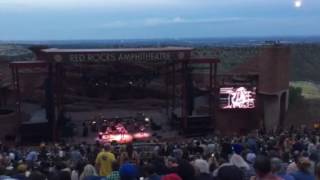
[164,49]
[28,64]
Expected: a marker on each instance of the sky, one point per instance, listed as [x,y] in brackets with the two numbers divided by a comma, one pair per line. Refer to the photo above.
[145,19]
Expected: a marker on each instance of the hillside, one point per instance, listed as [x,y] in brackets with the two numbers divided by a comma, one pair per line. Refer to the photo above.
[305,62]
[10,53]
[14,53]
[304,65]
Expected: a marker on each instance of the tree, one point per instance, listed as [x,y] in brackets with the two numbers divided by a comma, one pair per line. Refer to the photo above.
[295,95]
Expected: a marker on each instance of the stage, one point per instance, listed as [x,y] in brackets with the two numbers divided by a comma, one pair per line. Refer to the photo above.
[122,130]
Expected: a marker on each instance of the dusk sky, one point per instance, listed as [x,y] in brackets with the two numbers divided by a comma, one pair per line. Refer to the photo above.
[133,19]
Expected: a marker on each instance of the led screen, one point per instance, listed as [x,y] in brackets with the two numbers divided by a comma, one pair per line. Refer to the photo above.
[237,97]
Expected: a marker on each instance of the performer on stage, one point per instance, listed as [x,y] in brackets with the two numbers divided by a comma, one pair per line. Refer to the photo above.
[121,130]
[142,128]
[108,130]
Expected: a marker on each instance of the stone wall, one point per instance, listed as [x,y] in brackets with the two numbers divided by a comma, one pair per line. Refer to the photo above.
[272,67]
[9,124]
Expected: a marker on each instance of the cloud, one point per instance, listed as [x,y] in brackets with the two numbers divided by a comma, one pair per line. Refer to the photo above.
[180,20]
[154,22]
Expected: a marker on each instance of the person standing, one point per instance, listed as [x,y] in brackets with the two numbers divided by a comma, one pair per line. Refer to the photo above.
[129,155]
[85,129]
[104,161]
[239,162]
[303,170]
[115,175]
[262,166]
[150,172]
[128,171]
[181,167]
[278,169]
[317,171]
[89,172]
[202,170]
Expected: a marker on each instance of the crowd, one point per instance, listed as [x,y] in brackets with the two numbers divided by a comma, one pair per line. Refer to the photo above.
[289,155]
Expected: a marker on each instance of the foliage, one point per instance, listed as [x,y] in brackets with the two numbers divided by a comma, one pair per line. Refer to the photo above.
[310,90]
[295,95]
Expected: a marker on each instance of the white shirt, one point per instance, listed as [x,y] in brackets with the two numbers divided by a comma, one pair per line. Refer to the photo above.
[74,175]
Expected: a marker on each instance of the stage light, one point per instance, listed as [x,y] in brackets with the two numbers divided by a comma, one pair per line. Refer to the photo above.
[119,138]
[141,135]
[93,122]
[146,119]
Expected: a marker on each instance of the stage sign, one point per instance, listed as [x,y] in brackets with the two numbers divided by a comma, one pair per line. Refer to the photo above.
[112,57]
[107,56]
[237,97]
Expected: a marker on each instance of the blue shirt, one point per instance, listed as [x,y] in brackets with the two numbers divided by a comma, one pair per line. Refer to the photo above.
[303,176]
[94,178]
[155,177]
[237,148]
[32,156]
[285,176]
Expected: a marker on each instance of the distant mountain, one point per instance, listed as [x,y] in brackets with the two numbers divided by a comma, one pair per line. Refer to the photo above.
[194,42]
[305,62]
[9,52]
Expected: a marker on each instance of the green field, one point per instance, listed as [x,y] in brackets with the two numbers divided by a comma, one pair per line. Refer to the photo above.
[305,110]
[310,90]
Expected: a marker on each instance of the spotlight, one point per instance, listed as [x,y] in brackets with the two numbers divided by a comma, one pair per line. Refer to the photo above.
[147,119]
[142,135]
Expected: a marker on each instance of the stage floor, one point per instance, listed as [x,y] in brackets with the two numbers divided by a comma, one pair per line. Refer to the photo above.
[158,115]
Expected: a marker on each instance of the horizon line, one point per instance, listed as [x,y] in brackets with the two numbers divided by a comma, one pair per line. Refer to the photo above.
[165,38]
